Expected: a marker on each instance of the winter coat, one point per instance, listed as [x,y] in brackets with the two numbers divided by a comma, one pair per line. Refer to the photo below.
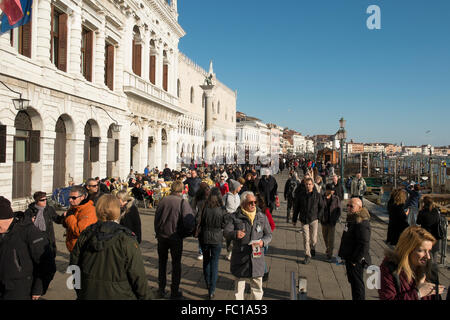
[338,190]
[224,189]
[193,185]
[167,217]
[268,188]
[50,216]
[243,265]
[308,207]
[398,221]
[27,262]
[232,202]
[403,289]
[331,211]
[358,187]
[429,221]
[110,262]
[413,199]
[355,239]
[289,192]
[77,219]
[130,218]
[212,224]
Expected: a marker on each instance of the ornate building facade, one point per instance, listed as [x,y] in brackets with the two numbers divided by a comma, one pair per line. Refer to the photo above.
[105,92]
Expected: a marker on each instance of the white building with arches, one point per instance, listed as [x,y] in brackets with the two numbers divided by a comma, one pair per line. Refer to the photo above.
[108,90]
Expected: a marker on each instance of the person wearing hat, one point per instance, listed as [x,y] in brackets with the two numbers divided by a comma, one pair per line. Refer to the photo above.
[27,264]
[330,216]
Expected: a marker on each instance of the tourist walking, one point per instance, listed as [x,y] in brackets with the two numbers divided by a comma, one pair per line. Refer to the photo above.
[193,183]
[413,203]
[79,216]
[337,185]
[354,248]
[268,188]
[197,206]
[109,258]
[43,216]
[428,218]
[358,187]
[407,272]
[308,208]
[174,218]
[212,222]
[232,201]
[264,209]
[331,214]
[250,231]
[290,189]
[129,214]
[27,263]
[398,215]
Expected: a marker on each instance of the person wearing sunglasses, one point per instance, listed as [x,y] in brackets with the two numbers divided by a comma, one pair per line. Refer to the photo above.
[250,231]
[43,216]
[93,189]
[80,215]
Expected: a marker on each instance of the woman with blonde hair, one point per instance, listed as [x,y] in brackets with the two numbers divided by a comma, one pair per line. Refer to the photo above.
[109,258]
[129,214]
[398,215]
[407,272]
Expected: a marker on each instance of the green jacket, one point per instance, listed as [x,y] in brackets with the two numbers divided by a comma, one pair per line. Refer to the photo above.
[110,262]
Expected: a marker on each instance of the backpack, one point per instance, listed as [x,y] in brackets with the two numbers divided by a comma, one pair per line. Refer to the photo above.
[292,188]
[442,227]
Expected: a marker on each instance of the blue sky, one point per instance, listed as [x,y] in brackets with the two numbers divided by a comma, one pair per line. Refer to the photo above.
[305,64]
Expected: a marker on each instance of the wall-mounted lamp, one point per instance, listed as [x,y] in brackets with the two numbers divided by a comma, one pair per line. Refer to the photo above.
[19,104]
[116,127]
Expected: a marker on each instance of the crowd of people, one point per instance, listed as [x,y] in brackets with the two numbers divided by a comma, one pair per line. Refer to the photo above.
[218,205]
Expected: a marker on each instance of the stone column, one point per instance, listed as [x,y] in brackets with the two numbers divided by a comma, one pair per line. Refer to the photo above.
[158,146]
[209,122]
[74,42]
[43,31]
[143,147]
[145,57]
[159,64]
[99,55]
[77,156]
[119,67]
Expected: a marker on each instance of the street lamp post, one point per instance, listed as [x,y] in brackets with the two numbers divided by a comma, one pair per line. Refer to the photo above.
[342,135]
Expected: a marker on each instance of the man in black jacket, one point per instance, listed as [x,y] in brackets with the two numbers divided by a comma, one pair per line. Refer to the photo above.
[27,264]
[308,207]
[193,183]
[290,189]
[268,187]
[331,214]
[93,189]
[354,249]
[43,216]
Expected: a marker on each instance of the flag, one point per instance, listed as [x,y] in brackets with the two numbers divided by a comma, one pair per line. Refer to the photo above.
[13,9]
[26,9]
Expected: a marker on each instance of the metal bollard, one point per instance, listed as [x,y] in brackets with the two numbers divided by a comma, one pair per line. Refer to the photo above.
[293,287]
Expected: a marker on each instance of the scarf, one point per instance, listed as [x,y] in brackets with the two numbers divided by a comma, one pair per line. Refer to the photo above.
[39,221]
[250,215]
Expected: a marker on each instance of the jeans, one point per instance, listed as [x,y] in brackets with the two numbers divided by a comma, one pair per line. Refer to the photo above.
[412,216]
[356,278]
[328,232]
[290,205]
[176,249]
[211,254]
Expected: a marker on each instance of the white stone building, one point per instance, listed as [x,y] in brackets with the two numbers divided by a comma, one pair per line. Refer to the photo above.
[105,95]
[217,103]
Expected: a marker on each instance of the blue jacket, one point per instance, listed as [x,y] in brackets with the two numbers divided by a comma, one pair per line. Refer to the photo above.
[413,199]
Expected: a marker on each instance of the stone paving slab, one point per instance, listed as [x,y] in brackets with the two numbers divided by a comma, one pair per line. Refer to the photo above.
[326,281]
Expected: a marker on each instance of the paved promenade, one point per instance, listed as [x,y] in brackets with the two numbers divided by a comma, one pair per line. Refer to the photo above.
[325,281]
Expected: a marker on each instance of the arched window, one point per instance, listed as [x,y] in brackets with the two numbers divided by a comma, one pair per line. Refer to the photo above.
[137,50]
[192,94]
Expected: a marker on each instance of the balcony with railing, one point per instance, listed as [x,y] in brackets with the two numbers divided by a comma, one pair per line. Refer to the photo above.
[136,85]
